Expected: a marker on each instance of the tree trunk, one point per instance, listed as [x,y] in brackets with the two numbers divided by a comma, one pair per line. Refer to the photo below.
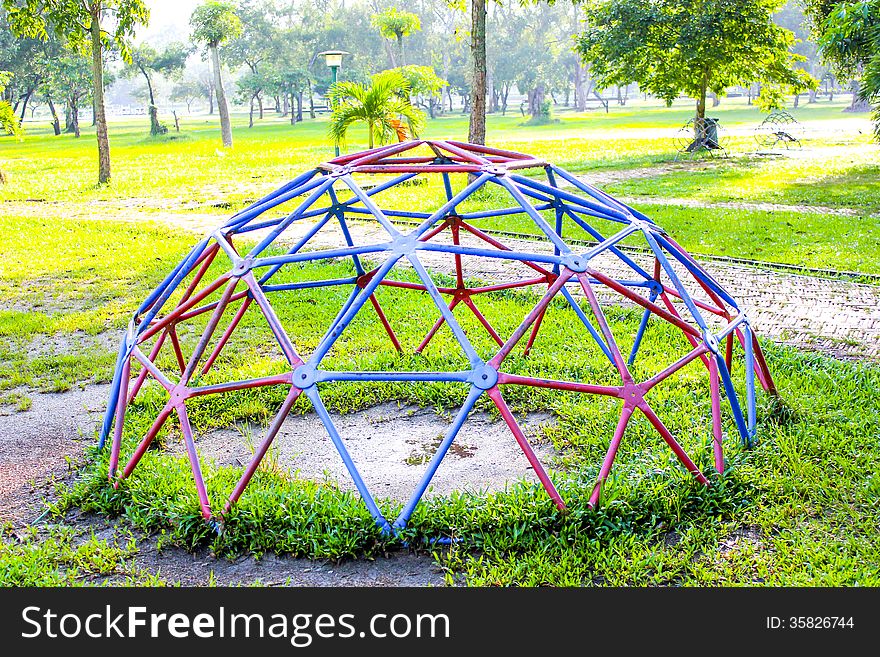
[24,103]
[286,108]
[858,104]
[292,112]
[797,98]
[580,91]
[260,105]
[211,103]
[100,118]
[400,49]
[155,127]
[176,121]
[251,114]
[311,98]
[56,124]
[477,127]
[299,106]
[74,118]
[222,107]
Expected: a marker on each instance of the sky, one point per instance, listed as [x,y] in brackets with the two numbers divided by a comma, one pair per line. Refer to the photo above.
[169,20]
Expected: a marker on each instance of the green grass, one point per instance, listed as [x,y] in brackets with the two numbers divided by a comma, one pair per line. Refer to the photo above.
[799,508]
[804,498]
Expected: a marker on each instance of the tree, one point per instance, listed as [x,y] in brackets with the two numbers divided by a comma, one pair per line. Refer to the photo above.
[148,61]
[214,23]
[424,85]
[394,24]
[70,78]
[377,105]
[187,91]
[671,47]
[82,23]
[8,121]
[849,38]
[477,126]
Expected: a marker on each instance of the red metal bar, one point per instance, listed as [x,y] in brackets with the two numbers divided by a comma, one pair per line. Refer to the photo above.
[485,322]
[524,445]
[436,327]
[589,388]
[613,446]
[673,445]
[385,323]
[697,352]
[717,433]
[194,461]
[637,298]
[534,334]
[145,443]
[175,314]
[178,353]
[226,335]
[499,245]
[564,275]
[260,452]
[121,403]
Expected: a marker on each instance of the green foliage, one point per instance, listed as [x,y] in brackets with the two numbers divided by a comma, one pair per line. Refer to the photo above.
[215,22]
[377,105]
[849,37]
[395,24]
[671,47]
[71,20]
[8,121]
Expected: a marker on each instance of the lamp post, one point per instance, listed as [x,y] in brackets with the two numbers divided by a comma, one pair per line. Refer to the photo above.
[333,59]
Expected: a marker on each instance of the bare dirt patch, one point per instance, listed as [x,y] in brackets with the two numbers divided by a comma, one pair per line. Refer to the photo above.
[43,444]
[391,446]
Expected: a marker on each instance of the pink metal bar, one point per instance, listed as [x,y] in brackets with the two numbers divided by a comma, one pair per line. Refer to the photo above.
[145,443]
[385,322]
[121,403]
[717,433]
[485,322]
[697,352]
[277,379]
[523,443]
[589,388]
[260,452]
[613,446]
[193,456]
[226,335]
[436,327]
[674,446]
[564,275]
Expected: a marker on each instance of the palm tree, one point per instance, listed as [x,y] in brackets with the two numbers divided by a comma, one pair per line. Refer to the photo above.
[378,105]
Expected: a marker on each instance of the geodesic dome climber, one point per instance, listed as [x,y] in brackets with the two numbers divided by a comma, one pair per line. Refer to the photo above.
[578,256]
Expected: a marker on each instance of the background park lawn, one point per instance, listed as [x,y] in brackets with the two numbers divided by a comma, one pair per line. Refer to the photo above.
[799,508]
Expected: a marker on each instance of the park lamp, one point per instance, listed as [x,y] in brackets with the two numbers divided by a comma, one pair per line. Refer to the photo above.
[333,59]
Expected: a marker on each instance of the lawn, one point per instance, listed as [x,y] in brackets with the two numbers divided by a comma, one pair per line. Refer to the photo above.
[800,508]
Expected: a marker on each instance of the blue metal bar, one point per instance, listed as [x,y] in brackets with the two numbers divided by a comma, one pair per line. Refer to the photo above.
[683,293]
[442,449]
[296,247]
[447,185]
[488,214]
[182,273]
[319,255]
[309,284]
[245,216]
[598,236]
[733,400]
[338,327]
[488,253]
[432,290]
[327,375]
[559,214]
[699,272]
[114,392]
[321,410]
[540,222]
[609,213]
[372,207]
[197,250]
[343,226]
[641,332]
[403,214]
[450,205]
[750,380]
[318,192]
[597,194]
[586,322]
